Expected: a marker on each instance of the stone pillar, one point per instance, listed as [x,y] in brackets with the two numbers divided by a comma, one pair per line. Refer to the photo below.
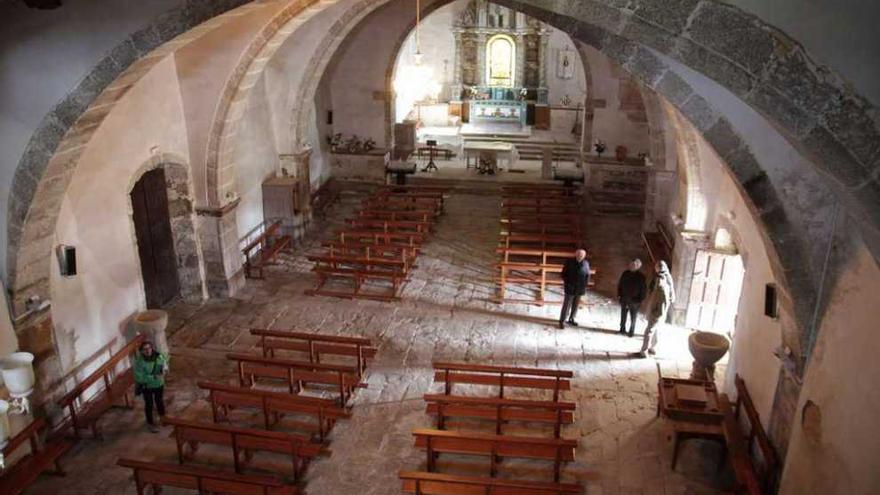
[481,58]
[456,68]
[542,58]
[218,233]
[520,76]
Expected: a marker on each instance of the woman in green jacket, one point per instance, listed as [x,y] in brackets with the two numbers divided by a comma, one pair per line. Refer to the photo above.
[150,367]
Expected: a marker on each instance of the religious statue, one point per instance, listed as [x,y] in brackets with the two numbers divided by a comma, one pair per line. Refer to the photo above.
[564,64]
[600,147]
[468,16]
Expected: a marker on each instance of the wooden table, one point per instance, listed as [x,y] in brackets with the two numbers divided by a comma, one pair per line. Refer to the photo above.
[693,408]
[496,149]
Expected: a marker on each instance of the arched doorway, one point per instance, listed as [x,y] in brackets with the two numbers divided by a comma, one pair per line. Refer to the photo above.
[155,241]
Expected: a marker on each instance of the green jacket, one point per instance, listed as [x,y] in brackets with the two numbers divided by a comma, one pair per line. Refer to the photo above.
[150,373]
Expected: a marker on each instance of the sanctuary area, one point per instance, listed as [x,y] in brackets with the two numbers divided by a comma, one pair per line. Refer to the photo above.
[439,247]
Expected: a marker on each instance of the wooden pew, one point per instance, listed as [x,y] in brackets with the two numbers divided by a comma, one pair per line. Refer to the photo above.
[542,228]
[316,345]
[530,201]
[537,275]
[756,438]
[243,442]
[359,270]
[203,480]
[390,225]
[273,405]
[500,411]
[261,251]
[367,250]
[549,242]
[414,187]
[383,238]
[412,215]
[422,483]
[409,193]
[494,446]
[537,190]
[397,203]
[738,451]
[83,414]
[501,377]
[541,209]
[297,374]
[43,457]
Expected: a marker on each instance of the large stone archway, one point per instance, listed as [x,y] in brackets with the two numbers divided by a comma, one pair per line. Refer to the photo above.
[841,137]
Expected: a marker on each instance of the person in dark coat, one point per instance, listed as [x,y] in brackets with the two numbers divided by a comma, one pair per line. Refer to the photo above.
[630,293]
[575,277]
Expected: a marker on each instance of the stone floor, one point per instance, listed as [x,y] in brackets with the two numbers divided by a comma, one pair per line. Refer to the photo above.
[445,314]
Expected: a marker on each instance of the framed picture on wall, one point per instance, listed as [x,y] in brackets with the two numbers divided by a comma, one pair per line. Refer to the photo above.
[565,64]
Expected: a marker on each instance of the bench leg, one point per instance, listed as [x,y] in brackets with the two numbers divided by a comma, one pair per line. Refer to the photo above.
[676,444]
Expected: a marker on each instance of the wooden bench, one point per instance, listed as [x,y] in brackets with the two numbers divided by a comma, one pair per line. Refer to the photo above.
[541,209]
[243,442]
[262,250]
[421,483]
[84,414]
[392,252]
[534,274]
[530,201]
[203,480]
[411,239]
[359,270]
[537,190]
[501,377]
[500,411]
[756,438]
[539,228]
[546,242]
[317,345]
[390,225]
[659,244]
[412,215]
[43,457]
[273,405]
[409,193]
[414,187]
[738,451]
[398,203]
[297,374]
[494,446]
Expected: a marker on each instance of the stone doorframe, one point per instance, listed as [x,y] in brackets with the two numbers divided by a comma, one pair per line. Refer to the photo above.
[187,245]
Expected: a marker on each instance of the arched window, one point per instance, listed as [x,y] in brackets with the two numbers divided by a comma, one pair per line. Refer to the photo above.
[500,60]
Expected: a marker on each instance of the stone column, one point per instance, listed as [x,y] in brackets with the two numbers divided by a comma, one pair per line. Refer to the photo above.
[542,58]
[481,59]
[218,233]
[520,76]
[456,68]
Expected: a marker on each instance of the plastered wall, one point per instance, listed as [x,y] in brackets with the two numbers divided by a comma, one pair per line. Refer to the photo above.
[89,308]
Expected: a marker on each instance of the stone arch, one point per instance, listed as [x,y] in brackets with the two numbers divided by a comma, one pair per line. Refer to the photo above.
[220,176]
[181,212]
[694,210]
[69,125]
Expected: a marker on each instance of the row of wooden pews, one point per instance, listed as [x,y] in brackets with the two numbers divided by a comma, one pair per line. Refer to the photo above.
[372,256]
[499,410]
[541,227]
[293,425]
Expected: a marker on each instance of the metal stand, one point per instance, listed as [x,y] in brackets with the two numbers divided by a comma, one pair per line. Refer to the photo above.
[431,165]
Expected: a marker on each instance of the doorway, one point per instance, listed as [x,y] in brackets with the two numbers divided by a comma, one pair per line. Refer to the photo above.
[152,225]
[715,292]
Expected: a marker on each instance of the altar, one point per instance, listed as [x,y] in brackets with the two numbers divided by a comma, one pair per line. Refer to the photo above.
[491,151]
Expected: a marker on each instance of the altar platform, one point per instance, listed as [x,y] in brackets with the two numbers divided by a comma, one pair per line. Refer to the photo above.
[495,130]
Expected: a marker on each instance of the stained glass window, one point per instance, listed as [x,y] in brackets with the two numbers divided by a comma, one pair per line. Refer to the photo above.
[500,60]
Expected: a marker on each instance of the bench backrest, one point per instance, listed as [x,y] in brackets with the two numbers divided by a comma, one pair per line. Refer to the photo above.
[553,449]
[243,438]
[249,397]
[756,435]
[204,480]
[448,484]
[502,376]
[31,434]
[269,229]
[108,369]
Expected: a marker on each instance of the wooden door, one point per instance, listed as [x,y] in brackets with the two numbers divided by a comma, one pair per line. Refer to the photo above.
[152,224]
[715,292]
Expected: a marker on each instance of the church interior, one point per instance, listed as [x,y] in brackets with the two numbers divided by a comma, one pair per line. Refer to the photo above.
[389,247]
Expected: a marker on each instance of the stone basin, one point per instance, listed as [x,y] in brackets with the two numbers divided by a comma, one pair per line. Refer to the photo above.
[708,347]
[152,323]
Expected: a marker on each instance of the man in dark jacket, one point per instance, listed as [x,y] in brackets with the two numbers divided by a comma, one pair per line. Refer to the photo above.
[575,276]
[631,292]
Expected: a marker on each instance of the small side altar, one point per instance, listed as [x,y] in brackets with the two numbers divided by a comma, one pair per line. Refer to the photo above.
[498,112]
